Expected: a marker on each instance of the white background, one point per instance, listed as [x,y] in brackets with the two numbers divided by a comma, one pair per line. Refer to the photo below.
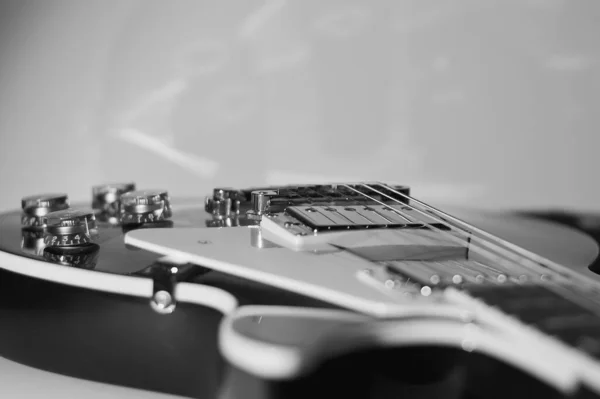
[492,104]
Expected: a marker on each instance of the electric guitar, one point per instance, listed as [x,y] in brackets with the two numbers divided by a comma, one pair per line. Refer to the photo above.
[359,286]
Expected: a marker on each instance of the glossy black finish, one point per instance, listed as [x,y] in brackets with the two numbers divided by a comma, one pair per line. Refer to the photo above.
[119,340]
[109,338]
[588,223]
[114,256]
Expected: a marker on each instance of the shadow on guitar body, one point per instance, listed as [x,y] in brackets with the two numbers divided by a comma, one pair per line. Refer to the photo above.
[408,373]
[109,338]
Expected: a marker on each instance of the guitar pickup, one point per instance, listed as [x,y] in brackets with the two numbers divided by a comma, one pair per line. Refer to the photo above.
[345,217]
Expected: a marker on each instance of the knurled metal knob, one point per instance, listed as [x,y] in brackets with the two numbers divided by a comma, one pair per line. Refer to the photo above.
[36,207]
[70,227]
[84,257]
[145,206]
[106,199]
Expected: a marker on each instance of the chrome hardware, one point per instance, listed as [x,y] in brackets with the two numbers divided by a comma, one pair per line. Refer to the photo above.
[69,228]
[35,207]
[144,206]
[260,203]
[224,201]
[165,275]
[258,241]
[163,302]
[82,257]
[224,206]
[391,283]
[221,207]
[32,241]
[260,200]
[220,194]
[106,199]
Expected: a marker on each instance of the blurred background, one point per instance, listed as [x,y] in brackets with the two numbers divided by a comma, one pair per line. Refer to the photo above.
[488,104]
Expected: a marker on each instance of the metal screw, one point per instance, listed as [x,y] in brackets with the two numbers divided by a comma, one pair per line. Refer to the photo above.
[162,302]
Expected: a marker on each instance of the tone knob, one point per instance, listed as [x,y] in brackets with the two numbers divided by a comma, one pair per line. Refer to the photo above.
[106,199]
[145,206]
[70,228]
[36,207]
[84,257]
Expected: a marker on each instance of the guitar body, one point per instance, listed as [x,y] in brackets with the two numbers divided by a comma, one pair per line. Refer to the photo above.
[97,324]
[93,320]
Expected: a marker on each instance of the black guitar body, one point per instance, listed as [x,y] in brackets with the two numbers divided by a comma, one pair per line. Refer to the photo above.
[119,339]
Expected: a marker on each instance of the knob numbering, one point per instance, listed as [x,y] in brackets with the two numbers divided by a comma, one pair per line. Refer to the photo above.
[82,257]
[36,207]
[145,206]
[70,228]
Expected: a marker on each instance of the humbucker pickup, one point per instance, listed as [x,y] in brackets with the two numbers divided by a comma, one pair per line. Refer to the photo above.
[341,217]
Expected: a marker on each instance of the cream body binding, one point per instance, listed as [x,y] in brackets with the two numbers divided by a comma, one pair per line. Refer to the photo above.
[18,378]
[558,243]
[334,278]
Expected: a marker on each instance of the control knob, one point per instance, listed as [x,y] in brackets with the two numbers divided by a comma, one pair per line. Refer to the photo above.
[82,257]
[36,207]
[145,206]
[106,200]
[70,227]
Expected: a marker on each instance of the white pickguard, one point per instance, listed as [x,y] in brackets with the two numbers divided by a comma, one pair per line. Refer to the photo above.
[281,343]
[335,277]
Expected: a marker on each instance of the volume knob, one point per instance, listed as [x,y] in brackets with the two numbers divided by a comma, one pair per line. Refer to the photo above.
[83,257]
[70,228]
[145,206]
[36,207]
[106,200]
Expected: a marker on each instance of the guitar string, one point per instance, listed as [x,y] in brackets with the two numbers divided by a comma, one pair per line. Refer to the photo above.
[468,234]
[451,236]
[575,294]
[409,239]
[575,297]
[515,248]
[531,257]
[525,253]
